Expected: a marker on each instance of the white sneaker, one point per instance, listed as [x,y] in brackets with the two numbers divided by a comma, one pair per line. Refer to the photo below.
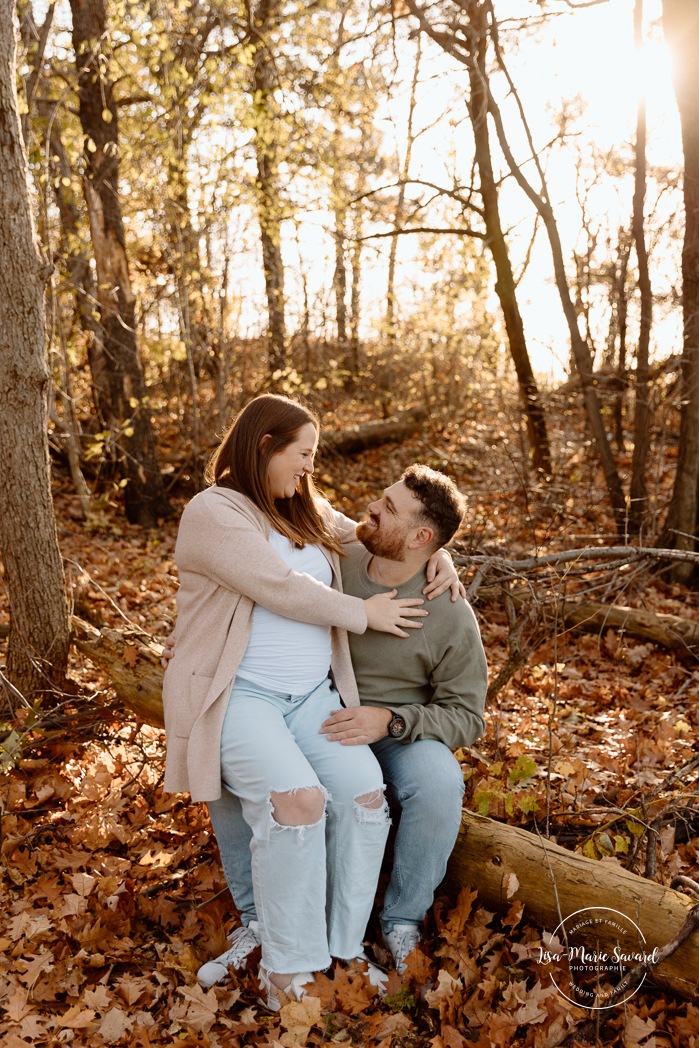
[276,997]
[243,941]
[401,941]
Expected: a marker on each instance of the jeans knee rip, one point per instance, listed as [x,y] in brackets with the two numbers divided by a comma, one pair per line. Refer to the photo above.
[281,827]
[366,814]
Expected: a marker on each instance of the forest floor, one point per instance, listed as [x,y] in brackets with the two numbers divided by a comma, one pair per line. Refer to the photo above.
[112,890]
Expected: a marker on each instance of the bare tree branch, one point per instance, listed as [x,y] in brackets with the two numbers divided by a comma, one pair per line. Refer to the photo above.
[463,231]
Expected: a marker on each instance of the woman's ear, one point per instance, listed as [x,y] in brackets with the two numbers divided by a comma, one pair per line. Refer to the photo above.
[264,443]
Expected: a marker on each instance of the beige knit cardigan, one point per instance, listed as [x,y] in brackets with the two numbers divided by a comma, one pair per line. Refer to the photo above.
[226,566]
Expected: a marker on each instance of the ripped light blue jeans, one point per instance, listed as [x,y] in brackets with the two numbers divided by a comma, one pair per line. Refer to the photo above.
[313,885]
[424,782]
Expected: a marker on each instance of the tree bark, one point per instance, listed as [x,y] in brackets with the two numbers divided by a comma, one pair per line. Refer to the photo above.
[77,263]
[495,239]
[399,215]
[681,26]
[260,18]
[71,250]
[187,270]
[340,271]
[353,362]
[184,85]
[554,883]
[145,498]
[619,326]
[638,494]
[669,631]
[130,662]
[38,643]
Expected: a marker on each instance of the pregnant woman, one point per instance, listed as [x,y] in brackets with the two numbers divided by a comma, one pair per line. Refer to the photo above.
[261,654]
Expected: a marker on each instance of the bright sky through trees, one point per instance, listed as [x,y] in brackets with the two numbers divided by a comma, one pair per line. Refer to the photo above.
[576,71]
[581,63]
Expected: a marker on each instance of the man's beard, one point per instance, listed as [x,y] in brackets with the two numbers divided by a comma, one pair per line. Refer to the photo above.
[390,548]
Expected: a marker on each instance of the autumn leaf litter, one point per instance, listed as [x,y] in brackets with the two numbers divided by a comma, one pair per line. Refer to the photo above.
[112,891]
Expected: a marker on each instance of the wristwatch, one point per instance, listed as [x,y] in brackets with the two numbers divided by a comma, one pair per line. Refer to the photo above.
[396,726]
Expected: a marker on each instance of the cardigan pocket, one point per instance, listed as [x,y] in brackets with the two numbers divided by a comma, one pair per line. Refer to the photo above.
[195,695]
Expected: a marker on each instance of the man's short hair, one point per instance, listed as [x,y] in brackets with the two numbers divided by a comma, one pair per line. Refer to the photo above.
[443,505]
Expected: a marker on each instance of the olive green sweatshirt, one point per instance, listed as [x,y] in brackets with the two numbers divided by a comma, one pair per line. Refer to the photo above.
[436,678]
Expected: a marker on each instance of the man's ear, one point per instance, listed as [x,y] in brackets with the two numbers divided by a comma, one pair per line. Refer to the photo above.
[424,536]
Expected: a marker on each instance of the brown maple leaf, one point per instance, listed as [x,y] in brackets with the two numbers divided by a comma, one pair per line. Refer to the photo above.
[130,655]
[325,989]
[389,1026]
[447,998]
[298,1017]
[354,991]
[460,915]
[419,968]
[395,984]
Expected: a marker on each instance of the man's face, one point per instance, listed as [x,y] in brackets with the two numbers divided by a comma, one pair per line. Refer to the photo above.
[391,523]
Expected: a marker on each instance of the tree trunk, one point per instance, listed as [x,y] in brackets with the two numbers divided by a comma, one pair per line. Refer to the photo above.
[353,361]
[681,25]
[145,498]
[187,271]
[38,644]
[340,271]
[641,441]
[75,258]
[460,47]
[399,216]
[669,631]
[580,349]
[77,263]
[267,152]
[619,325]
[505,283]
[554,883]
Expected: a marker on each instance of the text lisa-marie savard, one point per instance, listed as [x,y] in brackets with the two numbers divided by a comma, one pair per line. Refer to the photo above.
[594,957]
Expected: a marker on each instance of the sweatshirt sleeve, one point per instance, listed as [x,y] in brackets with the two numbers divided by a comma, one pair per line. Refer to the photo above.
[459,681]
[228,548]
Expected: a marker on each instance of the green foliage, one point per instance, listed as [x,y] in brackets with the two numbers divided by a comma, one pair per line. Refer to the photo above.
[524,769]
[402,1001]
[600,843]
[508,788]
[10,747]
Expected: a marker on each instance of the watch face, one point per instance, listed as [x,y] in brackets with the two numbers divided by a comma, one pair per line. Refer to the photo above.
[396,727]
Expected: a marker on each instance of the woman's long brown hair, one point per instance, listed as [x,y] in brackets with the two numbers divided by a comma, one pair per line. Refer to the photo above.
[240,462]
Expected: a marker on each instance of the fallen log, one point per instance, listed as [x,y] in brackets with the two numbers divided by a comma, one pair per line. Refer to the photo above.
[669,631]
[351,439]
[504,863]
[130,661]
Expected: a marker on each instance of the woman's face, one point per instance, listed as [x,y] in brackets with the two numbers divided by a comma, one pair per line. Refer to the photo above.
[286,467]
